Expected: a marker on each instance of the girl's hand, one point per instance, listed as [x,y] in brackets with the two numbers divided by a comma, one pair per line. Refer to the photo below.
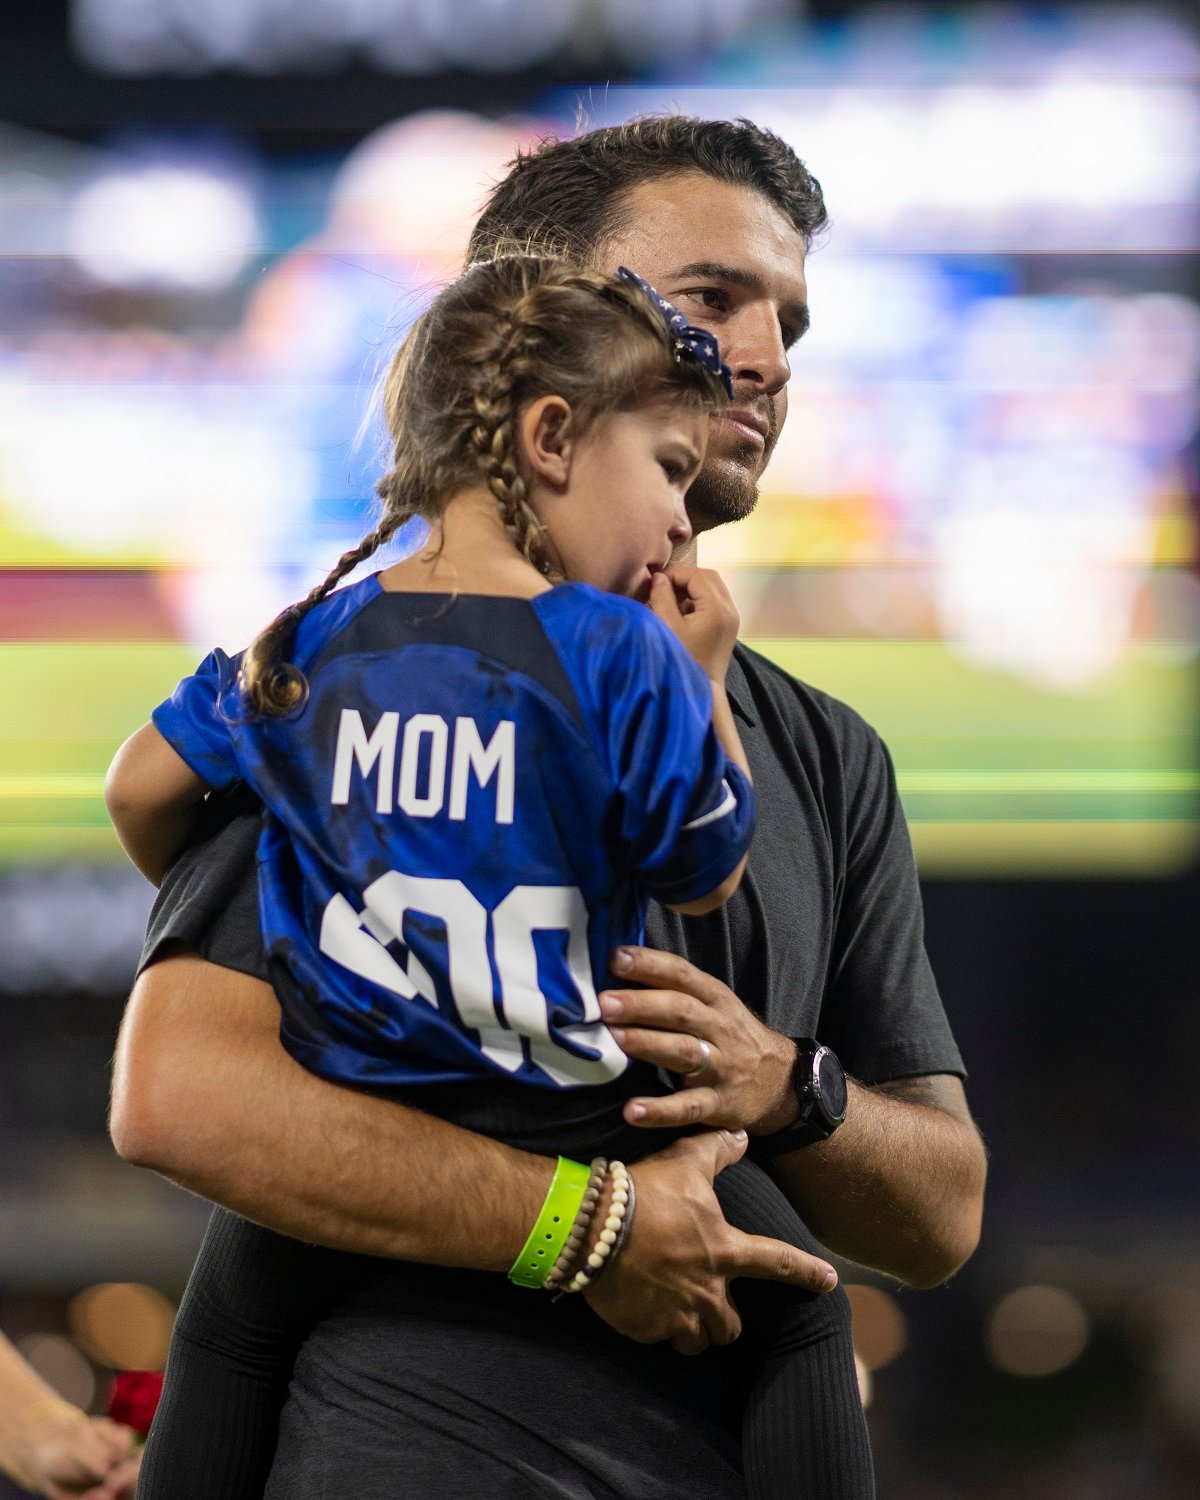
[695,604]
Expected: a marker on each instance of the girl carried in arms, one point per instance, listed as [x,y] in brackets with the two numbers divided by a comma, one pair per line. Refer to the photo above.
[480,763]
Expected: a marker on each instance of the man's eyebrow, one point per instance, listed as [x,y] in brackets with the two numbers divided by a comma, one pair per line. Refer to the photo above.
[715,270]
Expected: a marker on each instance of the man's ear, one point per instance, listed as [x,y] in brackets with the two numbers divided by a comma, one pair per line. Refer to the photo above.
[546,439]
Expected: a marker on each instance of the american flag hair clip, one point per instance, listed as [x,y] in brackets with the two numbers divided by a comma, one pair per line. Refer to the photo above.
[690,341]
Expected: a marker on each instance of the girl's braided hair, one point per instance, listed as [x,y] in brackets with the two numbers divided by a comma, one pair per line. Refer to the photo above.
[506,332]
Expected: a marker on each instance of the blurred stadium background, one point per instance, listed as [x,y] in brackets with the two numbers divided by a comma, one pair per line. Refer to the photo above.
[217,218]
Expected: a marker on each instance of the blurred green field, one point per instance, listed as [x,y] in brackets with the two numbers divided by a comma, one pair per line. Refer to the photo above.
[1000,777]
[71,704]
[996,776]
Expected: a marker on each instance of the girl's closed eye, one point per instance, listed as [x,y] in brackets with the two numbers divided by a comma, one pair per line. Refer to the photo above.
[680,463]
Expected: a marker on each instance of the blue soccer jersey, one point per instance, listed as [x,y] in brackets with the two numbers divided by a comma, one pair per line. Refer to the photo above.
[464,819]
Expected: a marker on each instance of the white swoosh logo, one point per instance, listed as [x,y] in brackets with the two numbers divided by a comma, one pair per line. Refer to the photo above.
[727,806]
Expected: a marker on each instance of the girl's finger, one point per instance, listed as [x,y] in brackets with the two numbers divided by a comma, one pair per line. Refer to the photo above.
[662,599]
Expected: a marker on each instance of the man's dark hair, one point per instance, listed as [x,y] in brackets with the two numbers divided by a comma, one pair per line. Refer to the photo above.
[566,197]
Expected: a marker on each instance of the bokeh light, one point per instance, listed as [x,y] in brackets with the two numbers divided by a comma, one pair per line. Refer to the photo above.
[880,1327]
[163,225]
[1036,1331]
[60,1364]
[1161,1313]
[1163,1325]
[123,1325]
[976,526]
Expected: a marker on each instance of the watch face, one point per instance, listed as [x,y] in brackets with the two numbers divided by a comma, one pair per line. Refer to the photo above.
[831,1081]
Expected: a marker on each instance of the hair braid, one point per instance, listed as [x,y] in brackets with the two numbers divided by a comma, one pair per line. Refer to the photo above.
[492,431]
[273,686]
[507,332]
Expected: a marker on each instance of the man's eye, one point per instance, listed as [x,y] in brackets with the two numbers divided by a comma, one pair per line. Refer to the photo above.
[711,297]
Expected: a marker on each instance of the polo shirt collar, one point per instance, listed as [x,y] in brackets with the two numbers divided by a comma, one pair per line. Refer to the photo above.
[737,690]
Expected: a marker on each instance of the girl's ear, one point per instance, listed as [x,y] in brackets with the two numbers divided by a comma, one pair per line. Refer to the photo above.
[546,438]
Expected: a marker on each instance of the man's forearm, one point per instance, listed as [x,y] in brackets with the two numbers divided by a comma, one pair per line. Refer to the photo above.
[899,1187]
[204,1093]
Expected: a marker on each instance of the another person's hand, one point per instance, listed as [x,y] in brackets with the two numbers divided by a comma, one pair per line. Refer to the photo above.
[735,1071]
[697,607]
[121,1483]
[83,1458]
[671,1281]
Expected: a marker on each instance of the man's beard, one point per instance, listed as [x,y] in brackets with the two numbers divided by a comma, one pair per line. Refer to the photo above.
[726,489]
[722,492]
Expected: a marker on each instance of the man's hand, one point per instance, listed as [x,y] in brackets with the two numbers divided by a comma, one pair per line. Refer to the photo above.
[898,1187]
[745,1077]
[205,1093]
[672,1279]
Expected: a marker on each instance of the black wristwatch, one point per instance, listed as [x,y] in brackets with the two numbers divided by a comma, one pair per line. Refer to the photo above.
[820,1083]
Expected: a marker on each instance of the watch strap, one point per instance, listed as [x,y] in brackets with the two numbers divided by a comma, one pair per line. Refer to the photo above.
[792,1137]
[810,1125]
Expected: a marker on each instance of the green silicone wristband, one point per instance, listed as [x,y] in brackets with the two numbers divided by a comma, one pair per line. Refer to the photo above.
[553,1224]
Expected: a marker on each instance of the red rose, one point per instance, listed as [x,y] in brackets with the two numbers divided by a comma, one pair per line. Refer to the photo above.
[133,1398]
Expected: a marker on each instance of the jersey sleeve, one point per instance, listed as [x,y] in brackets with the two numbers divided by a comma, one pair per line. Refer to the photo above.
[198,720]
[685,810]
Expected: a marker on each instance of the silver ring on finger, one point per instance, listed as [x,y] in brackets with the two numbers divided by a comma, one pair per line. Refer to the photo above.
[705,1058]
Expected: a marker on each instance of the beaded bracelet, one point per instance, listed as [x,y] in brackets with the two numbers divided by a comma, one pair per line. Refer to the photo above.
[617,1214]
[622,1233]
[619,1243]
[579,1229]
[559,1211]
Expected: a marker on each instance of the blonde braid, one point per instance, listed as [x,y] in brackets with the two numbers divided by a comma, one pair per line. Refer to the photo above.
[492,434]
[274,687]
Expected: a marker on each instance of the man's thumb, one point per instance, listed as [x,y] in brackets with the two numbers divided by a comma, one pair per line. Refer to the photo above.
[728,1146]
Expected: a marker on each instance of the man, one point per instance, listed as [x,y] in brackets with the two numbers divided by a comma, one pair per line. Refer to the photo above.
[824,940]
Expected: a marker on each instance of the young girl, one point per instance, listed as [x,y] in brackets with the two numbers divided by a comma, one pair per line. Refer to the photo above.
[461,759]
[475,770]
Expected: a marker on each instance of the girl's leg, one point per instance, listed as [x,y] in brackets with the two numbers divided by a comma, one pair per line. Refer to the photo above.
[803,1432]
[251,1299]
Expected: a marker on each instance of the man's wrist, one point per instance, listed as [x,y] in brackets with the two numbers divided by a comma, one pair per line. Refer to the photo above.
[822,1093]
[786,1109]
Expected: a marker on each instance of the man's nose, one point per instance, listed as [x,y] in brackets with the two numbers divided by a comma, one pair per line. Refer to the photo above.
[756,353]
